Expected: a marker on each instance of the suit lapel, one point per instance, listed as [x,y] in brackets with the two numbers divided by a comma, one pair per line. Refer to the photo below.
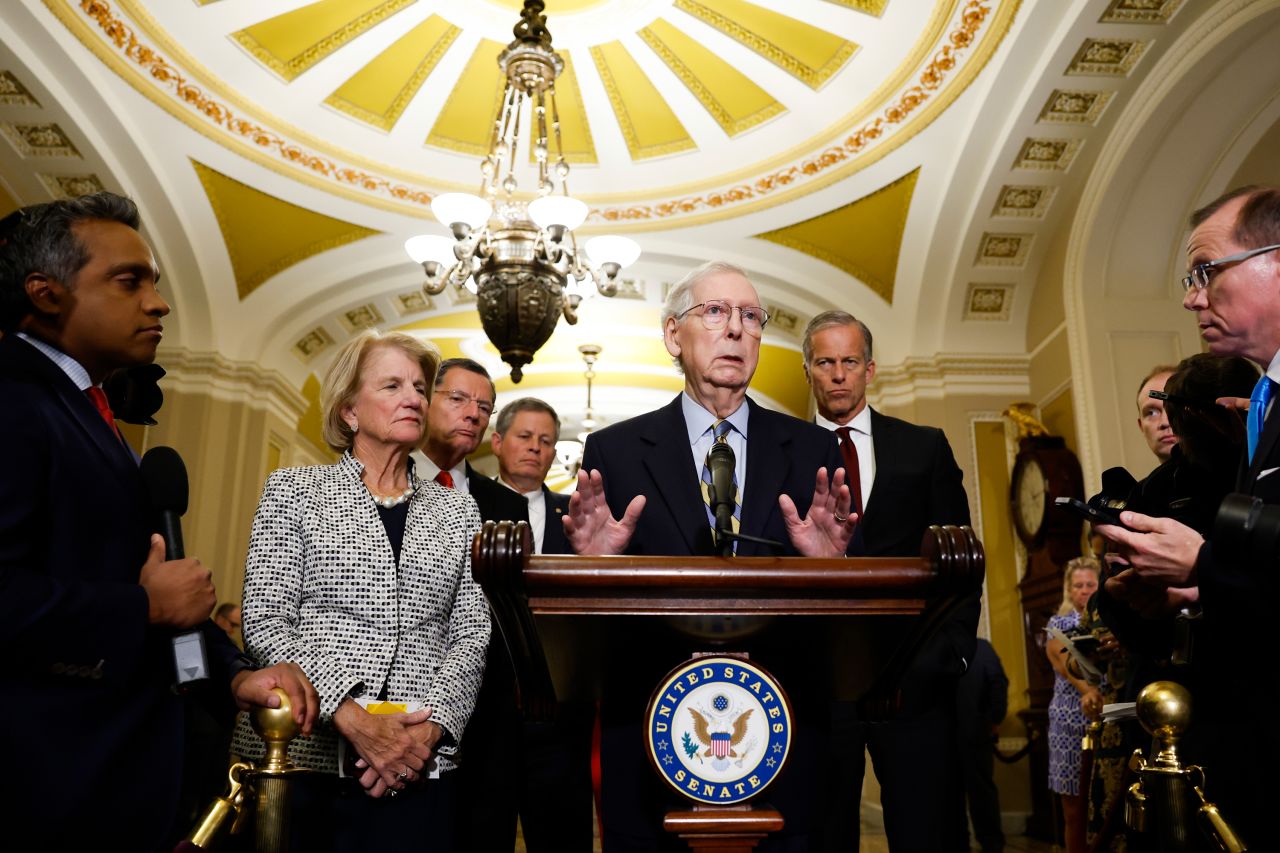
[553,539]
[1266,443]
[670,464]
[768,463]
[884,451]
[75,403]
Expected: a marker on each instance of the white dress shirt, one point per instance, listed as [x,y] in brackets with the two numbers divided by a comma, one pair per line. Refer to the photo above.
[860,432]
[537,513]
[698,421]
[428,470]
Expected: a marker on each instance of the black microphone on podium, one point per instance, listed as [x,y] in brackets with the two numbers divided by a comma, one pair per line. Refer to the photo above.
[165,477]
[721,462]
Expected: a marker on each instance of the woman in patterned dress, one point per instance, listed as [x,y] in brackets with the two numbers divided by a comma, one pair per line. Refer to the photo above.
[1074,699]
[361,573]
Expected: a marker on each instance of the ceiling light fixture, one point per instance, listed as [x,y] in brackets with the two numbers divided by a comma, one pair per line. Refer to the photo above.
[520,257]
[568,450]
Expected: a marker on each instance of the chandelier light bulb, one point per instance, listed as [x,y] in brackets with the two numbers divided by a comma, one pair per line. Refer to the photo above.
[431,247]
[561,210]
[611,249]
[465,208]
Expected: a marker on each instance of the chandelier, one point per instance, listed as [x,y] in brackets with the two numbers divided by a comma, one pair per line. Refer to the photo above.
[520,257]
[568,450]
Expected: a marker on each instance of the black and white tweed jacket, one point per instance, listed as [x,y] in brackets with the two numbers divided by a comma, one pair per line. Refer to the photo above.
[321,589]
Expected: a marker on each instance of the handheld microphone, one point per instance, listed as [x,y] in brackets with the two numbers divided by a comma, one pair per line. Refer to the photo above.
[721,462]
[165,478]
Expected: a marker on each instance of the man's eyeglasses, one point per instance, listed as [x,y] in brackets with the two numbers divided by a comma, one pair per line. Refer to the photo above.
[461,399]
[1201,273]
[716,313]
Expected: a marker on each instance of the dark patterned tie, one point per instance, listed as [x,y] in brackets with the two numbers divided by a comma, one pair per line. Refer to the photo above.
[720,430]
[445,479]
[1258,401]
[852,475]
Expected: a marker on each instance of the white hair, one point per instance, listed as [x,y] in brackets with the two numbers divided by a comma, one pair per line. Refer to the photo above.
[680,297]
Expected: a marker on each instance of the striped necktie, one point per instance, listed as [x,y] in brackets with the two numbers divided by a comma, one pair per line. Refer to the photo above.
[720,431]
[1258,402]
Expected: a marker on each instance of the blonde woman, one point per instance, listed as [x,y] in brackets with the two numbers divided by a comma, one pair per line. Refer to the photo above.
[1074,699]
[361,572]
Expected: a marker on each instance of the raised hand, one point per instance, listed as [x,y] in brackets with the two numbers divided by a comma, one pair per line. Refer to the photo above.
[827,528]
[591,527]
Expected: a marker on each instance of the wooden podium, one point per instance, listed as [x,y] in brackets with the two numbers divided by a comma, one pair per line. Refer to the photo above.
[875,613]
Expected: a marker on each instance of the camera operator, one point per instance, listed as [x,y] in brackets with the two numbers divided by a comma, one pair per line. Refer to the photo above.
[1233,286]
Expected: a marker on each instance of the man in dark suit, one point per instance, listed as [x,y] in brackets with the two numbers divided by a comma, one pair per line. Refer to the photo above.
[524,441]
[551,761]
[905,478]
[1233,286]
[457,418]
[639,493]
[88,604]
[488,797]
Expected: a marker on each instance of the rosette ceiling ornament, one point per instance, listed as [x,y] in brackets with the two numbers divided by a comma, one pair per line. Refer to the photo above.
[519,257]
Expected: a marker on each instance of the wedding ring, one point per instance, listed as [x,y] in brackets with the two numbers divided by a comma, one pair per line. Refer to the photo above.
[404,774]
[843,519]
[392,792]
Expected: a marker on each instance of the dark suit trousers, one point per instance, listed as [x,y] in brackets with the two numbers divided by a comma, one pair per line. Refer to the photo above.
[540,772]
[915,763]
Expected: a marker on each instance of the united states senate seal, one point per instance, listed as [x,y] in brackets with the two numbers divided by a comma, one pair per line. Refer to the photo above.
[718,729]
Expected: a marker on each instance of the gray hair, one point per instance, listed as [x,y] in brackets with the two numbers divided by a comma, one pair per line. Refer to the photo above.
[680,297]
[524,404]
[828,320]
[469,365]
[41,239]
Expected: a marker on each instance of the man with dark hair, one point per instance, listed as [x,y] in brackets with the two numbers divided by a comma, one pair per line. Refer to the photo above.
[1233,286]
[488,797]
[905,478]
[88,604]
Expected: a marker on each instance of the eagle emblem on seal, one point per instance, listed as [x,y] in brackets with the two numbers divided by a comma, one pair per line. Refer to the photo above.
[720,743]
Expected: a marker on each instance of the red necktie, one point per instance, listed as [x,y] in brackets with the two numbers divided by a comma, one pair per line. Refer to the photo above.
[445,479]
[99,399]
[852,475]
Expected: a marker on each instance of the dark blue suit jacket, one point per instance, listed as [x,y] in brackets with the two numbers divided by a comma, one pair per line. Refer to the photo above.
[553,539]
[650,455]
[92,733]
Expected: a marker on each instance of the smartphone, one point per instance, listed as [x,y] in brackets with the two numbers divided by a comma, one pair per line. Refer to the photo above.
[1090,513]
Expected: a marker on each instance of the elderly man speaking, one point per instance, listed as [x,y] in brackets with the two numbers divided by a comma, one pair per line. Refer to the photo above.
[639,492]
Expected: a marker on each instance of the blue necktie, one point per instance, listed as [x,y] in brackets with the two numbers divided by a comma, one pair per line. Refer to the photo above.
[1258,401]
[720,431]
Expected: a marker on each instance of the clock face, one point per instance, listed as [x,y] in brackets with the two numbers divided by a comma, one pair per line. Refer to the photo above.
[1029,498]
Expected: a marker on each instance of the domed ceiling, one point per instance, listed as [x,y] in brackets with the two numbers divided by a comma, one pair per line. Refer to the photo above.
[896,158]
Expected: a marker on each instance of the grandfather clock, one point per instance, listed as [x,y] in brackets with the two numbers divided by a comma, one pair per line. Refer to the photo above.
[1044,469]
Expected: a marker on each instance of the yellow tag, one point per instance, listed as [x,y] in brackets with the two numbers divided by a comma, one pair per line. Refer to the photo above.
[386,707]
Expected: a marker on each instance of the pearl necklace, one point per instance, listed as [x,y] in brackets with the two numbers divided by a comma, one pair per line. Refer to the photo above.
[392,500]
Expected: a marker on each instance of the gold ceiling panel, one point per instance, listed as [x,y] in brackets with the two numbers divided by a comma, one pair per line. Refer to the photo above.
[734,101]
[379,92]
[291,43]
[863,238]
[465,123]
[807,53]
[649,125]
[265,235]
